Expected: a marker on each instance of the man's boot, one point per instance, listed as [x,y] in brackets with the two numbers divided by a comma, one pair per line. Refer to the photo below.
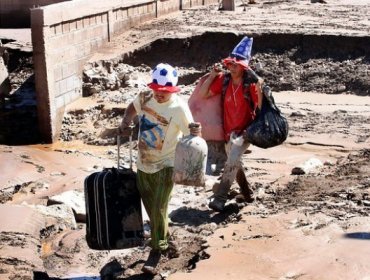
[244,186]
[151,265]
[220,191]
[217,204]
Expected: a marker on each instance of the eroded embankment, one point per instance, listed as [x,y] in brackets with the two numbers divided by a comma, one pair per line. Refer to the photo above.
[324,63]
[329,64]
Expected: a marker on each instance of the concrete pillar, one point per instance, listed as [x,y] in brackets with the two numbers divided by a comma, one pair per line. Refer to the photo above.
[110,25]
[44,102]
[228,5]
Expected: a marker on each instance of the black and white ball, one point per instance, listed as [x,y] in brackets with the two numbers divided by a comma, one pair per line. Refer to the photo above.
[165,75]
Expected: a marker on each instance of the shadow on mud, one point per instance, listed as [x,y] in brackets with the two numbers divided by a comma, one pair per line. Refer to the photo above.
[18,117]
[195,217]
[43,276]
[18,111]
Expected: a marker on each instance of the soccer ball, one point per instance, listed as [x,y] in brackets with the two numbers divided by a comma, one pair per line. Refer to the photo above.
[165,75]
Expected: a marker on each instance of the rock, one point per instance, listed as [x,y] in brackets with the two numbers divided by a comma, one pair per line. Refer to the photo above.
[89,89]
[298,114]
[75,200]
[129,272]
[259,67]
[111,269]
[341,88]
[366,202]
[63,215]
[308,166]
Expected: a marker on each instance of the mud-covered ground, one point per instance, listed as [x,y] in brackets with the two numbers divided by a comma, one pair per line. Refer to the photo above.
[316,59]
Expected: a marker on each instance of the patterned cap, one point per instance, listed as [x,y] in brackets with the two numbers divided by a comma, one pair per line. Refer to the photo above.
[241,54]
[164,78]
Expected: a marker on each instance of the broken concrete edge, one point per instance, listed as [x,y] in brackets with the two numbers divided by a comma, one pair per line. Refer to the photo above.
[71,10]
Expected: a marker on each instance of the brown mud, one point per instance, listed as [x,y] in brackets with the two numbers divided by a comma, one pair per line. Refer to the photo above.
[308,226]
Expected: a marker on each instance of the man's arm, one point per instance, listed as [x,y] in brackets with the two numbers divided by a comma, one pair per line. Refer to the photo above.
[204,89]
[128,117]
[259,92]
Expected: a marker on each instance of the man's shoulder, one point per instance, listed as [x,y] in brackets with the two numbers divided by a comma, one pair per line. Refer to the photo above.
[178,102]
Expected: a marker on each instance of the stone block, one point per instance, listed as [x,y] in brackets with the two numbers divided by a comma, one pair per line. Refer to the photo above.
[58,29]
[57,91]
[65,27]
[73,25]
[68,97]
[79,24]
[86,22]
[70,83]
[59,101]
[58,75]
[63,86]
[105,18]
[93,20]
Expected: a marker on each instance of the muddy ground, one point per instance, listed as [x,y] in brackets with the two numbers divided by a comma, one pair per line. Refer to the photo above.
[300,226]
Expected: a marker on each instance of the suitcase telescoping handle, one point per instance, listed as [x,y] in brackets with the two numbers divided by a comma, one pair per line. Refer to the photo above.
[119,148]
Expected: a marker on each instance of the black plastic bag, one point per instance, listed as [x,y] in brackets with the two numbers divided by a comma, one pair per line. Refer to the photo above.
[270,127]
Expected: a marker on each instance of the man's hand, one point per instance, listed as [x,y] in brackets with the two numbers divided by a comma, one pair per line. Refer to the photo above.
[195,128]
[244,134]
[216,69]
[125,131]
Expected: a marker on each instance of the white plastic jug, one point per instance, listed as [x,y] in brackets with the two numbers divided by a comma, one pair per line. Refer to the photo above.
[191,159]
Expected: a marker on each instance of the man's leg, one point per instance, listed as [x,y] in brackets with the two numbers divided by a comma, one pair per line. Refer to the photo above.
[232,166]
[245,188]
[155,190]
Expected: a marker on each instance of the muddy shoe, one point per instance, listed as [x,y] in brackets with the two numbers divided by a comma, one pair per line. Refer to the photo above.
[245,187]
[216,187]
[217,205]
[245,196]
[151,265]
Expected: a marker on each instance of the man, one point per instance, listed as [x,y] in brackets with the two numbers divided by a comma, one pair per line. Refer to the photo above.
[242,96]
[163,118]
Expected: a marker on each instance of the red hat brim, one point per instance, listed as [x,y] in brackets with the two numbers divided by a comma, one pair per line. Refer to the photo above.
[242,63]
[167,89]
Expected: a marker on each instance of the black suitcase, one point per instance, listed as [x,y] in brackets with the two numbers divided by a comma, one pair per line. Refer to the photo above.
[113,209]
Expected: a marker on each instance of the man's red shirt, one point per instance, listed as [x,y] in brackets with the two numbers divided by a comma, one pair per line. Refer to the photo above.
[238,113]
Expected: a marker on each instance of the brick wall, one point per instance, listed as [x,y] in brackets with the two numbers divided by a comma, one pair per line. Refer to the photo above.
[65,35]
[16,13]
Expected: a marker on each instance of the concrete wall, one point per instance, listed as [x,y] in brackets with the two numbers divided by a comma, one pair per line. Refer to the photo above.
[16,13]
[64,35]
